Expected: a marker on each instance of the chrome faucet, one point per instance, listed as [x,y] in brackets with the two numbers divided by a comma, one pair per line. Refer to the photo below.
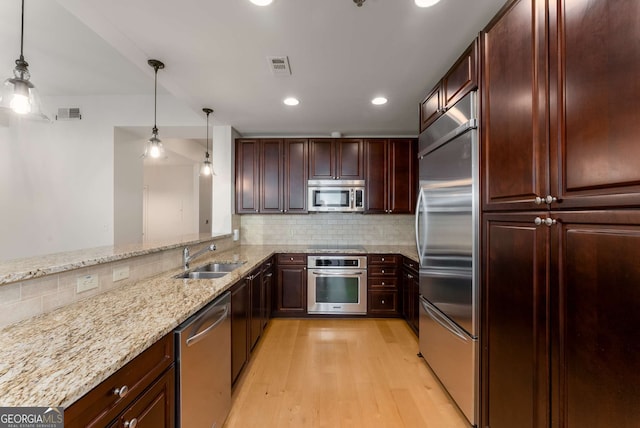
[186,257]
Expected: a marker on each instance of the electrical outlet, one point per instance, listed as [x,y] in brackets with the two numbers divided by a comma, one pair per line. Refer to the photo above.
[120,273]
[86,283]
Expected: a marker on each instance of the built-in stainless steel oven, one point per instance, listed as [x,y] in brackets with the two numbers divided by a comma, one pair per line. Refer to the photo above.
[337,284]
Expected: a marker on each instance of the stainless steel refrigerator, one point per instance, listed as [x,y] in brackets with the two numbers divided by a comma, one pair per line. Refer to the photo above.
[447,236]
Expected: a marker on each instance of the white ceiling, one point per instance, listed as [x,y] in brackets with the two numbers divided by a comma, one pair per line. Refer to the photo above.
[216,52]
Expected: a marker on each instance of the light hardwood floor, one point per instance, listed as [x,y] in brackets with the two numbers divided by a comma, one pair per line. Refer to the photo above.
[340,373]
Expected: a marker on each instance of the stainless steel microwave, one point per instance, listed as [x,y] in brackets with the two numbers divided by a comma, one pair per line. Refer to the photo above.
[336,195]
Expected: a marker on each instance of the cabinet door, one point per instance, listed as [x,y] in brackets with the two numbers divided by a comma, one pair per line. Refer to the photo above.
[431,107]
[291,290]
[402,176]
[462,77]
[271,176]
[240,306]
[257,299]
[295,176]
[155,408]
[321,159]
[267,285]
[349,159]
[247,176]
[514,340]
[376,196]
[596,306]
[514,108]
[595,121]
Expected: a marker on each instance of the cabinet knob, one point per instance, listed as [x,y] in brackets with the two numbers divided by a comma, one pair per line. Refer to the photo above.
[382,282]
[537,221]
[382,259]
[382,270]
[285,210]
[383,302]
[538,200]
[410,276]
[547,221]
[256,210]
[131,424]
[122,391]
[291,258]
[550,199]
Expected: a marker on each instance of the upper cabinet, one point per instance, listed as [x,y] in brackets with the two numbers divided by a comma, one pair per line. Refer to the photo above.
[459,80]
[594,93]
[514,108]
[271,176]
[336,159]
[390,176]
[559,107]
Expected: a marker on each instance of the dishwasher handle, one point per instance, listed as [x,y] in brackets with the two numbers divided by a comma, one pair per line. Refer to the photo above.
[199,336]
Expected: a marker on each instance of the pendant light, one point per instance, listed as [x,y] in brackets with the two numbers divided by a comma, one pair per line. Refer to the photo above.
[207,168]
[18,93]
[154,147]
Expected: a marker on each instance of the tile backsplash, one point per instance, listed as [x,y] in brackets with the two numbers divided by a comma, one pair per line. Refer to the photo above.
[327,228]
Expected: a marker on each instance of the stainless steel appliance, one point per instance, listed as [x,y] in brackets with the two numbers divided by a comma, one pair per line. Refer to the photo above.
[337,284]
[447,235]
[203,350]
[336,195]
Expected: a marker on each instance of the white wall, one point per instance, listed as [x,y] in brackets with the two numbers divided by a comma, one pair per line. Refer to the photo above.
[171,201]
[57,180]
[128,185]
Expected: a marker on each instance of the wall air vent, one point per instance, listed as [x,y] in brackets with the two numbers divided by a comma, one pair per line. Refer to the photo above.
[279,65]
[68,113]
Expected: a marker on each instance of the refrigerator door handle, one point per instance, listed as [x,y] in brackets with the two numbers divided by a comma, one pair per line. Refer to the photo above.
[419,244]
[444,322]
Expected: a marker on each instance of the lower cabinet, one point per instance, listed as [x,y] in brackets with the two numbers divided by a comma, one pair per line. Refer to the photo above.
[240,313]
[257,306]
[291,285]
[410,287]
[142,390]
[267,291]
[155,408]
[382,284]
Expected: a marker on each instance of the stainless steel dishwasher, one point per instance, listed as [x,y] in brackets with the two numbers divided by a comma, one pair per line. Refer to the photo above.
[203,347]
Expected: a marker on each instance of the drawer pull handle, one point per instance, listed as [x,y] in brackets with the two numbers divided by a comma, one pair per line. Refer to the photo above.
[382,282]
[383,259]
[131,424]
[383,301]
[122,391]
[291,258]
[382,270]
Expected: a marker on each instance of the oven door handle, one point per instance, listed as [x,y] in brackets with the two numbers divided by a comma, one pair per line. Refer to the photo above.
[336,273]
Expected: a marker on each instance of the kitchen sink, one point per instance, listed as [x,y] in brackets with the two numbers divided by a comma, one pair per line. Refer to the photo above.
[210,271]
[218,267]
[201,275]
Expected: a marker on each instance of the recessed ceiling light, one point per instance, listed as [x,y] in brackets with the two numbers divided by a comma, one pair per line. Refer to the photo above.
[378,101]
[291,101]
[261,2]
[424,3]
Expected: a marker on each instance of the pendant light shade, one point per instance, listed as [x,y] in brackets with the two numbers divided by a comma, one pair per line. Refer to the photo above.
[18,93]
[154,147]
[207,168]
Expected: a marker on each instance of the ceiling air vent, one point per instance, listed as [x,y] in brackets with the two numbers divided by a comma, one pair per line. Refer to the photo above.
[68,113]
[279,65]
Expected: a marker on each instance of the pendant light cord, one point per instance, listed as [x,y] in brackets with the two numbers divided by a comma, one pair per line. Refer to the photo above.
[22,34]
[155,100]
[207,134]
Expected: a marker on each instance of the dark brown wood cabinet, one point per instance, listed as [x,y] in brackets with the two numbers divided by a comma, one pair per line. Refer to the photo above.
[410,287]
[155,408]
[291,285]
[267,291]
[594,93]
[256,290]
[514,108]
[383,272]
[240,318]
[515,322]
[128,392]
[271,176]
[390,176]
[560,118]
[595,307]
[461,78]
[336,159]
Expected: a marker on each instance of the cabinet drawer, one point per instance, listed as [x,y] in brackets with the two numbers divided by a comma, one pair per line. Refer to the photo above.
[101,405]
[292,259]
[377,259]
[383,282]
[410,264]
[383,302]
[389,271]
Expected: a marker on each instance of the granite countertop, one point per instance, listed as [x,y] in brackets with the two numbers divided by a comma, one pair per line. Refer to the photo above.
[56,358]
